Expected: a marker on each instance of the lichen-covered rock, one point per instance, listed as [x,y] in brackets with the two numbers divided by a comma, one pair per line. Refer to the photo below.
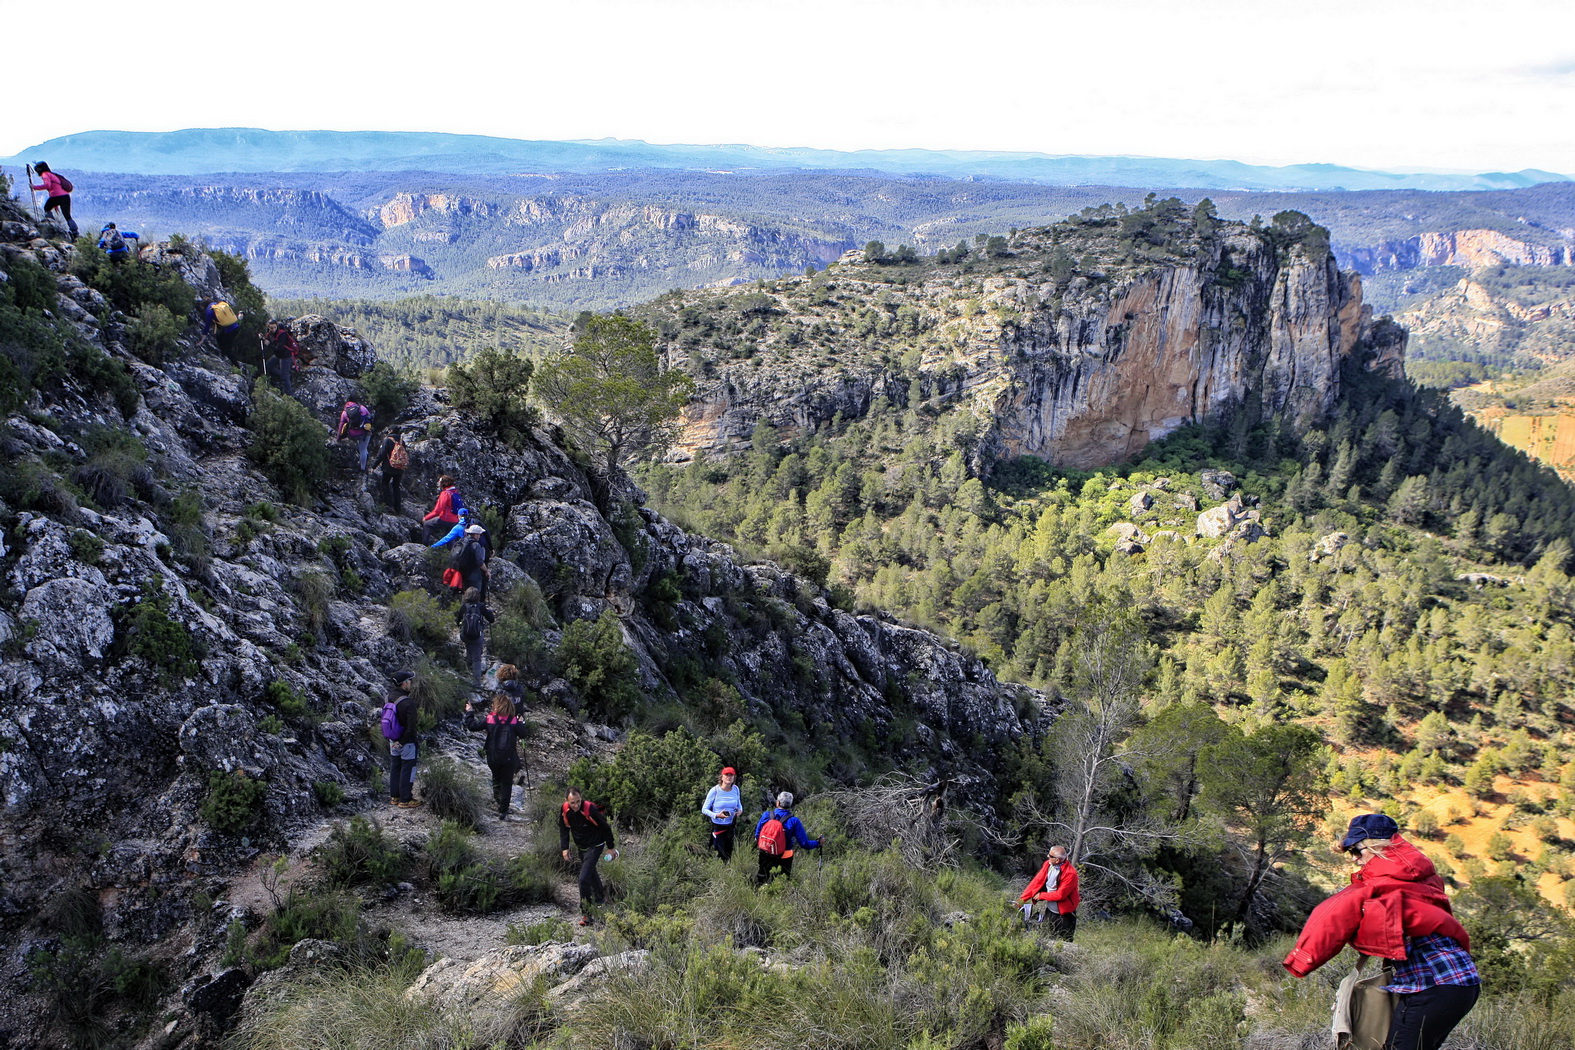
[333,346]
[499,976]
[225,737]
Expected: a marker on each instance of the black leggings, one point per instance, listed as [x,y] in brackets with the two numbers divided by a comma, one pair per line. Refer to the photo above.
[503,784]
[63,203]
[769,866]
[1423,1020]
[590,882]
[722,841]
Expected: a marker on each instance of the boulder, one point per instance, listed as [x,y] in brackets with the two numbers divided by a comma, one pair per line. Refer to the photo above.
[1140,502]
[1217,483]
[225,737]
[1216,521]
[499,975]
[333,346]
[1328,546]
[70,622]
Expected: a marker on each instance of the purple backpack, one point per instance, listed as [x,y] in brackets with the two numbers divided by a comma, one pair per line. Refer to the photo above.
[391,728]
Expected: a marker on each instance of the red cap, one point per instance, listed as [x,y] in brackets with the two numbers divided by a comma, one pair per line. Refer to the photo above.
[729,769]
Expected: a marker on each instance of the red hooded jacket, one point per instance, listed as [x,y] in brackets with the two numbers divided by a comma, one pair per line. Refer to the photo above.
[1392,897]
[1065,893]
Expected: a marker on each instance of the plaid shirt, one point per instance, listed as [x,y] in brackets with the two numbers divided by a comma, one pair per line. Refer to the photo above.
[1430,960]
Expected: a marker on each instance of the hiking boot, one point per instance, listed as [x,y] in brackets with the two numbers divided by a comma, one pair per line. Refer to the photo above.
[394,801]
[414,803]
[585,920]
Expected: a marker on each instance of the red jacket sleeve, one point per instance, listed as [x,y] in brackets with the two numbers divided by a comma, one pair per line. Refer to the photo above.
[1037,882]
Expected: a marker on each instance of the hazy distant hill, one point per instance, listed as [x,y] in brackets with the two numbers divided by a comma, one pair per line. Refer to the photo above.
[594,240]
[258,150]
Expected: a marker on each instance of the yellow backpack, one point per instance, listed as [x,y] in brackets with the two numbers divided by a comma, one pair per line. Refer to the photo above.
[224,314]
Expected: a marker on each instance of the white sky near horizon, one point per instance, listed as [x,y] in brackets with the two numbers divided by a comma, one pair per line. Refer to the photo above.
[1395,84]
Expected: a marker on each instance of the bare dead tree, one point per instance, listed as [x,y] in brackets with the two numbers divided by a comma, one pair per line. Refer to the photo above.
[906,811]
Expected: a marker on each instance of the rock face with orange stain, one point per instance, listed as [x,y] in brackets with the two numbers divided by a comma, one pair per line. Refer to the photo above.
[1470,248]
[1078,363]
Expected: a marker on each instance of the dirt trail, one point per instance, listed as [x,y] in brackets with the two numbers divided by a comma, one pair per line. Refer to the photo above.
[414,912]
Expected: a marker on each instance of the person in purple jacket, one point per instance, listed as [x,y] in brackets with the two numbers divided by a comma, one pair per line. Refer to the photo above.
[59,196]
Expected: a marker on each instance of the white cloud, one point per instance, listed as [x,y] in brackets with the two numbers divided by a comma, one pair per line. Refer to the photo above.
[1378,83]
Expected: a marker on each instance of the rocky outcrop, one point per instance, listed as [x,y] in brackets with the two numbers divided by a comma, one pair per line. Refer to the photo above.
[1469,248]
[1080,371]
[193,629]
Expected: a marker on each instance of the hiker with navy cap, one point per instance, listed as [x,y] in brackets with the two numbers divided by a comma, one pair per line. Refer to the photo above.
[1396,908]
[723,806]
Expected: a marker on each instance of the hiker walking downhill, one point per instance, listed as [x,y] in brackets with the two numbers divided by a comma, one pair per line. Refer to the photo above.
[723,807]
[392,457]
[1053,893]
[446,511]
[355,424]
[473,617]
[591,830]
[503,728]
[775,835]
[280,352]
[59,189]
[116,243]
[399,728]
[1396,908]
[220,320]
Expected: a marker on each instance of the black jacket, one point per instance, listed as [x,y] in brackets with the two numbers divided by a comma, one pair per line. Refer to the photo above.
[381,459]
[588,824]
[515,692]
[405,710]
[502,737]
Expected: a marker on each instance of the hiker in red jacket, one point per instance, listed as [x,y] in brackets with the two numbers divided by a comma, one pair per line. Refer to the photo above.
[446,511]
[1053,891]
[588,825]
[1396,908]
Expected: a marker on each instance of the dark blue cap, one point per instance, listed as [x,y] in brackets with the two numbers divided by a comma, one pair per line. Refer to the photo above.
[1369,826]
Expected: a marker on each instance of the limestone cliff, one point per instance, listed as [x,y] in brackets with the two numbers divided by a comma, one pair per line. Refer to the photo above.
[1071,343]
[1470,248]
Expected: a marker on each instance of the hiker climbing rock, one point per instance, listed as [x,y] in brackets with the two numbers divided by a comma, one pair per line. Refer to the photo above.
[220,320]
[117,243]
[592,832]
[724,807]
[448,509]
[355,424]
[390,462]
[59,189]
[473,616]
[1396,908]
[503,728]
[775,834]
[280,354]
[1053,893]
[399,729]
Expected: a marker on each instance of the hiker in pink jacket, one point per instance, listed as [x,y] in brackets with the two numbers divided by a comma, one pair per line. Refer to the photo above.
[59,191]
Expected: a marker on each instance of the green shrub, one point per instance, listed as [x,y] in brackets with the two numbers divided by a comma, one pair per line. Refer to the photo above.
[288,699]
[234,801]
[329,794]
[153,333]
[651,778]
[361,853]
[419,619]
[272,725]
[82,984]
[288,445]
[85,547]
[542,932]
[387,391]
[328,915]
[144,630]
[595,660]
[246,297]
[438,691]
[450,792]
[359,1010]
[314,590]
[494,386]
[130,286]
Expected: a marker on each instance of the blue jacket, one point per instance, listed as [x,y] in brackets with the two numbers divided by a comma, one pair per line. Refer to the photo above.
[790,823]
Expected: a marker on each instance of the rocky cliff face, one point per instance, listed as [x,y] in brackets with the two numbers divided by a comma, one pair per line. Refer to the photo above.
[159,598]
[1060,345]
[1469,248]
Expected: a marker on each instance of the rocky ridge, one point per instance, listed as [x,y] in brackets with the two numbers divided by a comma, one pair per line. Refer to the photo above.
[146,645]
[1072,343]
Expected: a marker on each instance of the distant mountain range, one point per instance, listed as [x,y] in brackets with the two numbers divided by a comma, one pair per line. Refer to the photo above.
[232,150]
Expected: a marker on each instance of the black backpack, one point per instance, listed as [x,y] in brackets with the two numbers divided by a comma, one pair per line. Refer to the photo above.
[472,622]
[468,558]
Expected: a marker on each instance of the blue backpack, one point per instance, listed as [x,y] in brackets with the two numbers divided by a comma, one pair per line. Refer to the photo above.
[391,727]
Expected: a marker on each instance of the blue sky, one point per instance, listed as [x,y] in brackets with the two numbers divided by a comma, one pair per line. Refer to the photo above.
[1400,84]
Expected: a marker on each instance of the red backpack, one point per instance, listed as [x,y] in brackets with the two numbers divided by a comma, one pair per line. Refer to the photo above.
[773,838]
[585,811]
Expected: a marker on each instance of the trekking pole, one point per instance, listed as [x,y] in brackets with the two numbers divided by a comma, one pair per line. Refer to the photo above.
[31,192]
